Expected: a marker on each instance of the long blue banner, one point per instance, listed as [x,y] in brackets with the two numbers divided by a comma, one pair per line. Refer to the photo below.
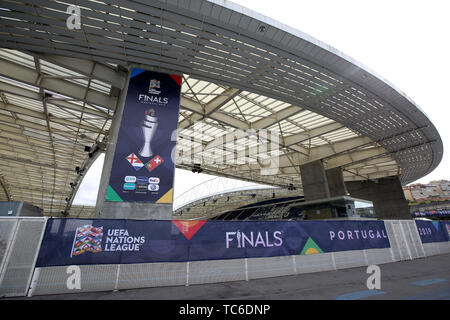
[433,231]
[107,241]
[446,228]
[432,213]
[143,165]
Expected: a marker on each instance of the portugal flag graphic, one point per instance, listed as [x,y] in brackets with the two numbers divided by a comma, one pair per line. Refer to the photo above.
[152,164]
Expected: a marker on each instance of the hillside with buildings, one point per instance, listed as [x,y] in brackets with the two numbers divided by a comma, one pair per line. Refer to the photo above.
[433,191]
[431,200]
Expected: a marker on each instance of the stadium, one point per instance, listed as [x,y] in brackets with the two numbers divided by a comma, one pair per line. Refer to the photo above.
[259,102]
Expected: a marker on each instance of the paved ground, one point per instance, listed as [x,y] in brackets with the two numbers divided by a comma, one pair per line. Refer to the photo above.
[424,279]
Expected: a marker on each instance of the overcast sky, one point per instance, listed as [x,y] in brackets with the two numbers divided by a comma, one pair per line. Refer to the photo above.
[405,42]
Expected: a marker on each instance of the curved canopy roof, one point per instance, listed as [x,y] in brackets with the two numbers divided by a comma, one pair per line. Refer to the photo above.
[59,89]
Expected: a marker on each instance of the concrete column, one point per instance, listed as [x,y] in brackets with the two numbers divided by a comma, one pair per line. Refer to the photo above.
[336,184]
[124,210]
[386,195]
[314,181]
[318,184]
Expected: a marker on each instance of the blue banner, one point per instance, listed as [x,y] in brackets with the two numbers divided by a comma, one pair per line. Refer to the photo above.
[143,165]
[433,231]
[108,241]
[446,229]
[432,213]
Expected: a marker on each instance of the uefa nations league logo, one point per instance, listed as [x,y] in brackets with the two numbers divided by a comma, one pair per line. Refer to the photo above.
[154,84]
[87,238]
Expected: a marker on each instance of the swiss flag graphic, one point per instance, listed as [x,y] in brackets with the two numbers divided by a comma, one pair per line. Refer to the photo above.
[152,164]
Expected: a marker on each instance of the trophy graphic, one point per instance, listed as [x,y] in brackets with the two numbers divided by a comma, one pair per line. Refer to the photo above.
[149,125]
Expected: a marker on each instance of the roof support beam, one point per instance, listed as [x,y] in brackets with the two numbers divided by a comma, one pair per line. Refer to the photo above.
[12,152]
[66,134]
[275,117]
[349,176]
[375,169]
[26,75]
[322,152]
[29,92]
[199,113]
[352,157]
[42,116]
[16,134]
[313,133]
[35,163]
[219,101]
[377,160]
[88,68]
[22,144]
[37,183]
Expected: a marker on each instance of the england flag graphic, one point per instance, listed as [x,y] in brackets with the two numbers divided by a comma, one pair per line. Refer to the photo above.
[135,161]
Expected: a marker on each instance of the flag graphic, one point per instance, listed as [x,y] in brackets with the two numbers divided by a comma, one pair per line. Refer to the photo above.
[152,164]
[135,161]
[87,238]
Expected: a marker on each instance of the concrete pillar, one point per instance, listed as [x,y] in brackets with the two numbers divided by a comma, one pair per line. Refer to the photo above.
[314,181]
[319,184]
[386,195]
[336,184]
[124,210]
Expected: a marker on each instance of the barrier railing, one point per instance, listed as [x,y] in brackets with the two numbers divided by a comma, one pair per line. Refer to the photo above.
[20,239]
[170,253]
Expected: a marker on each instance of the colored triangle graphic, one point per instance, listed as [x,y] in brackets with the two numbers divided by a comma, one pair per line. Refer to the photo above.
[135,72]
[112,195]
[311,247]
[436,224]
[188,228]
[176,78]
[167,198]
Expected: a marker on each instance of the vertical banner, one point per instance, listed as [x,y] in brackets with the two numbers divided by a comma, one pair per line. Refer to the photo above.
[143,167]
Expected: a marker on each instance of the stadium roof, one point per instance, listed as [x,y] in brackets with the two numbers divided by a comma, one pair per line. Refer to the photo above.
[217,204]
[241,70]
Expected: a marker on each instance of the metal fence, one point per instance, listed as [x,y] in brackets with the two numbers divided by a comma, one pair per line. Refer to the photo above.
[20,240]
[405,240]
